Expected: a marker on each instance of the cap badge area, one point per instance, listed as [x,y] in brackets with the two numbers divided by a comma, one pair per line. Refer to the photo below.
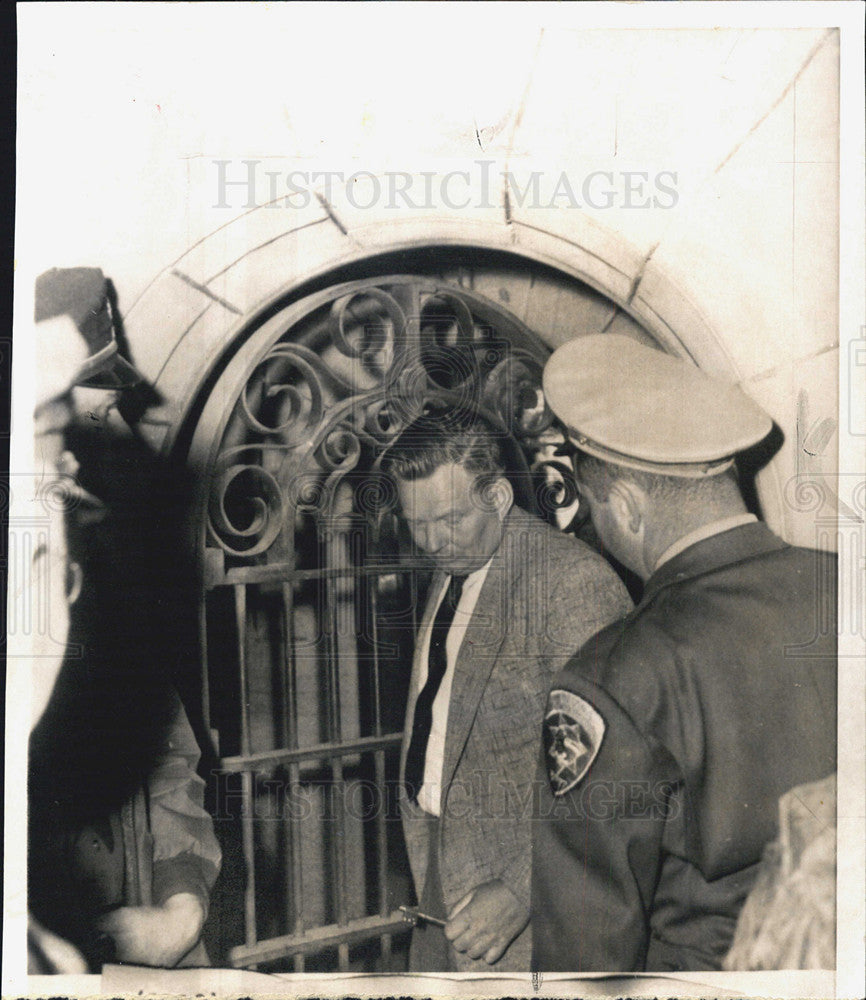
[573,731]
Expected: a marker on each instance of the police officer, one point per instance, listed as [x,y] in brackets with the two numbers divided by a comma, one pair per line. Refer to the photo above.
[670,737]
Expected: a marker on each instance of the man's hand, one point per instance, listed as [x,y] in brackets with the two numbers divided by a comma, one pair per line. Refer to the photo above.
[486,921]
[155,935]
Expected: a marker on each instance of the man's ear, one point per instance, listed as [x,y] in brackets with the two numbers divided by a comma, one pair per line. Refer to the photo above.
[500,494]
[627,503]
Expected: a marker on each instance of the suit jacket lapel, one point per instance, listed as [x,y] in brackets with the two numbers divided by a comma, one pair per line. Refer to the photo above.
[477,655]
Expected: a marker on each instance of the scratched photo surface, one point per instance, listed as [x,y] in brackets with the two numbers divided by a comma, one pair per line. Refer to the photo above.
[296,547]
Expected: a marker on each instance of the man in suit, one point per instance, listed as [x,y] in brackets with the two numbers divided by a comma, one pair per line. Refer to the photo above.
[670,738]
[511,598]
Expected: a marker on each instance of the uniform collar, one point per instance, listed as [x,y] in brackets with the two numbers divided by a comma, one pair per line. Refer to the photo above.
[699,534]
[721,549]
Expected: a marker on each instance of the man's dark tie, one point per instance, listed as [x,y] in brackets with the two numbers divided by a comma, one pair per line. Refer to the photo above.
[437,663]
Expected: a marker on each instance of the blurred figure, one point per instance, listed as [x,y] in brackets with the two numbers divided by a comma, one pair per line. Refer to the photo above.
[59,343]
[121,869]
[789,919]
[63,351]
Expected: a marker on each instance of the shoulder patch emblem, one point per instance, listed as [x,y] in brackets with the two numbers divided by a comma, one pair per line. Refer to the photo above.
[573,731]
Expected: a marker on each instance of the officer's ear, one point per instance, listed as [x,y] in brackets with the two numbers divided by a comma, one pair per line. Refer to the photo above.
[627,504]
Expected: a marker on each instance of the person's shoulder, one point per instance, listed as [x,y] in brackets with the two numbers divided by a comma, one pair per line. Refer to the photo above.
[823,563]
[628,658]
[578,589]
[550,541]
[758,544]
[798,576]
[579,566]
[773,565]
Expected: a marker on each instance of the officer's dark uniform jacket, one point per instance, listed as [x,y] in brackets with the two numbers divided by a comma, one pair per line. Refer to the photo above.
[716,695]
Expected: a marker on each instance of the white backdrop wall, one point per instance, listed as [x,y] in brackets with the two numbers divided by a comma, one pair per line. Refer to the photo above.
[701,167]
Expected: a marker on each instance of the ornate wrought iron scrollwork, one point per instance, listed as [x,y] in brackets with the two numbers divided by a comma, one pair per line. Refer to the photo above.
[366,325]
[328,397]
[246,509]
[311,598]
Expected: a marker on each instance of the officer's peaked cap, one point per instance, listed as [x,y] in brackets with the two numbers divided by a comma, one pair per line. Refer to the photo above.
[639,407]
[81,293]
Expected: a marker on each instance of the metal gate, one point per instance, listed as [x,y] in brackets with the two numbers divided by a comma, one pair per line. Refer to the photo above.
[311,593]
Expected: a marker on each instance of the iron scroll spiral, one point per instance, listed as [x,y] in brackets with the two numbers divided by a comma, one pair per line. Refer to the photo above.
[306,422]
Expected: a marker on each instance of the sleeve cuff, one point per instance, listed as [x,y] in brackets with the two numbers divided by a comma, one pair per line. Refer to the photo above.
[517,878]
[184,873]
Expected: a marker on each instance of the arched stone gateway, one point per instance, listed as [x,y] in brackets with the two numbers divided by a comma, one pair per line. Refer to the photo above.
[281,396]
[310,594]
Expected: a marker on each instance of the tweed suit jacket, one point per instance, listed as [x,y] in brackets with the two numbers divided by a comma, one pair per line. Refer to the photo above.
[544,596]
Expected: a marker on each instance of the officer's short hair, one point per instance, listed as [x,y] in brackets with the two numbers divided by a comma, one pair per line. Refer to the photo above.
[445,436]
[599,476]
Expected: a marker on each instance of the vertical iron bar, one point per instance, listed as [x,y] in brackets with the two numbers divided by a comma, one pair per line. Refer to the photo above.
[292,865]
[382,805]
[205,670]
[382,853]
[287,692]
[336,726]
[338,792]
[247,777]
[373,583]
[385,958]
[297,863]
[297,867]
[249,858]
[297,870]
[240,594]
[339,816]
[381,834]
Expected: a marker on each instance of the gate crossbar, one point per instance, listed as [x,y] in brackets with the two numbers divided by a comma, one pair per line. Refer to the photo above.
[317,939]
[273,758]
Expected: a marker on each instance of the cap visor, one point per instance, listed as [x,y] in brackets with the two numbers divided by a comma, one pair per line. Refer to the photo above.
[118,373]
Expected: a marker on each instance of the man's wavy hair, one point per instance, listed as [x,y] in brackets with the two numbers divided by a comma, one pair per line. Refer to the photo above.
[444,436]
